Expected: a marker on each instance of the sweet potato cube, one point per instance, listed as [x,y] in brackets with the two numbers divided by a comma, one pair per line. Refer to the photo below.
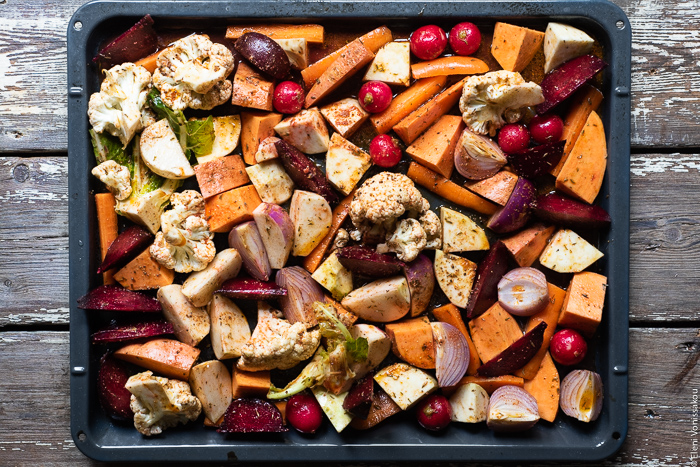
[345,116]
[514,46]
[496,188]
[256,127]
[493,332]
[527,245]
[583,305]
[251,90]
[221,174]
[231,207]
[489,383]
[144,273]
[450,314]
[108,228]
[435,148]
[250,383]
[544,387]
[412,341]
[165,357]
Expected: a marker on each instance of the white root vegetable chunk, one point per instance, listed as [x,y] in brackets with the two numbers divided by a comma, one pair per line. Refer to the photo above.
[345,164]
[392,64]
[201,285]
[311,215]
[191,323]
[271,182]
[334,277]
[405,384]
[460,233]
[563,43]
[211,384]
[297,51]
[380,301]
[345,116]
[332,406]
[306,131]
[455,275]
[229,328]
[267,149]
[470,404]
[162,153]
[378,347]
[568,252]
[227,133]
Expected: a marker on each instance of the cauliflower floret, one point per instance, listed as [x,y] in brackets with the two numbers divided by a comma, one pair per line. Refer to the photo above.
[192,72]
[116,177]
[160,403]
[275,343]
[491,100]
[120,106]
[341,238]
[185,243]
[384,198]
[406,241]
[430,223]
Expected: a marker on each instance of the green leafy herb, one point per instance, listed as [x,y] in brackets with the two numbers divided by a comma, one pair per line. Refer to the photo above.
[108,148]
[333,328]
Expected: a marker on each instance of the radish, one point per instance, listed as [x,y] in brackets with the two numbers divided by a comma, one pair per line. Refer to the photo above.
[428,42]
[375,96]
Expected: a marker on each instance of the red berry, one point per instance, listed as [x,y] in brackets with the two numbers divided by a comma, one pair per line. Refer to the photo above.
[434,412]
[428,42]
[385,151]
[375,96]
[546,128]
[513,138]
[465,38]
[288,97]
[304,412]
[568,347]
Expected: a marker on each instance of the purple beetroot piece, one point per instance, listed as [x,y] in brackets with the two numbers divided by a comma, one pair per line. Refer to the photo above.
[533,162]
[114,397]
[132,331]
[515,214]
[489,272]
[562,210]
[367,262]
[127,246]
[115,298]
[517,355]
[562,82]
[251,289]
[359,398]
[138,42]
[304,172]
[252,416]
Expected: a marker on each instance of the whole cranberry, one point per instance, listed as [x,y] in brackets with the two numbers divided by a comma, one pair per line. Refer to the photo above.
[568,347]
[288,97]
[428,42]
[546,128]
[385,151]
[465,38]
[513,138]
[304,412]
[434,412]
[375,96]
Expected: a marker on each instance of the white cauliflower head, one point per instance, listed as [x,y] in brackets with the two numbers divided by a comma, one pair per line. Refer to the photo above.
[185,243]
[116,177]
[407,241]
[192,72]
[276,343]
[430,222]
[160,403]
[120,106]
[491,100]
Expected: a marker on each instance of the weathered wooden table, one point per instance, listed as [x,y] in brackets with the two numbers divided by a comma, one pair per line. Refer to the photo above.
[665,246]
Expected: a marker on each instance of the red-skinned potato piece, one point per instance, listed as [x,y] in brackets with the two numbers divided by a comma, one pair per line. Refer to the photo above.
[367,262]
[517,355]
[420,276]
[139,41]
[132,331]
[567,212]
[359,399]
[115,298]
[252,416]
[489,272]
[304,172]
[251,289]
[562,82]
[127,246]
[114,397]
[515,214]
[533,162]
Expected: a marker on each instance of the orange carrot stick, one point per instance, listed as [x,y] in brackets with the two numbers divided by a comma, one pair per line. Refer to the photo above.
[407,102]
[340,213]
[313,33]
[446,66]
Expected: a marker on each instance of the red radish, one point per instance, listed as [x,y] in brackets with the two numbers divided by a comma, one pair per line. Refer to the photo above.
[546,128]
[465,38]
[288,97]
[434,412]
[568,347]
[513,138]
[304,413]
[385,151]
[375,96]
[428,42]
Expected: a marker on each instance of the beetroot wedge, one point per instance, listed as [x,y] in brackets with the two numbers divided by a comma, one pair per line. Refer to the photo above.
[562,210]
[127,246]
[562,82]
[359,398]
[251,289]
[114,397]
[533,162]
[304,172]
[517,355]
[515,214]
[367,262]
[252,416]
[115,298]
[138,42]
[489,272]
[133,331]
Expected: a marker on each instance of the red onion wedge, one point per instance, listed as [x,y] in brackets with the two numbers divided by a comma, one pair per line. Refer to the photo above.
[114,397]
[517,355]
[127,246]
[246,239]
[582,395]
[276,230]
[523,291]
[251,289]
[515,214]
[420,276]
[252,416]
[512,408]
[115,298]
[302,292]
[478,157]
[367,262]
[451,354]
[132,331]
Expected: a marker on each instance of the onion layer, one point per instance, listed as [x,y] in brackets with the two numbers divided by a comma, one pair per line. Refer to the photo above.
[523,291]
[582,395]
[451,354]
[246,239]
[302,292]
[478,157]
[512,408]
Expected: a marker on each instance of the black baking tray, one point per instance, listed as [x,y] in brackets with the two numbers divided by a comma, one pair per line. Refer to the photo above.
[399,438]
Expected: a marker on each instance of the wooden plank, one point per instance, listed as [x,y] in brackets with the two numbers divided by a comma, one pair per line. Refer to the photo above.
[35,411]
[33,103]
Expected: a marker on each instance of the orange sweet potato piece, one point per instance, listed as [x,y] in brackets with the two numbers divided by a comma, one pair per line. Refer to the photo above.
[249,383]
[489,384]
[450,314]
[446,66]
[415,123]
[347,64]
[340,213]
[449,190]
[549,315]
[231,207]
[108,229]
[493,332]
[144,273]
[527,245]
[435,148]
[347,317]
[255,127]
[313,33]
[150,63]
[251,90]
[407,102]
[222,174]
[211,424]
[165,357]
[282,407]
[544,387]
[583,304]
[582,173]
[514,46]
[586,100]
[496,188]
[412,341]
